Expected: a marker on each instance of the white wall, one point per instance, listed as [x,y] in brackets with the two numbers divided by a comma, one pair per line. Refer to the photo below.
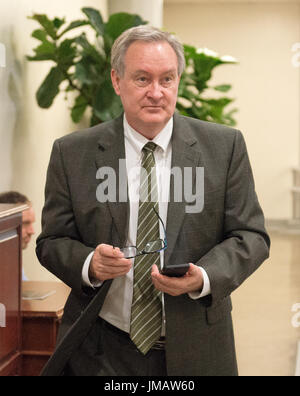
[266,85]
[7,106]
[26,131]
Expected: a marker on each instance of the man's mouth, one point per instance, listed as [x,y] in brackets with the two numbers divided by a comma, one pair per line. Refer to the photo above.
[152,107]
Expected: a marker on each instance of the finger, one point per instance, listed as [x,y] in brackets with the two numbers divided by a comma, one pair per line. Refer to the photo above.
[110,272]
[193,269]
[109,251]
[165,280]
[161,282]
[102,262]
[105,276]
[170,285]
[115,266]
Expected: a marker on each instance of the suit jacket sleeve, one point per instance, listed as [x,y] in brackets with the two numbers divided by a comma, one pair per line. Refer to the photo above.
[245,242]
[59,247]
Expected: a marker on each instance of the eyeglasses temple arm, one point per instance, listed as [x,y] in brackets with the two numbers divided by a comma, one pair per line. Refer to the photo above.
[164,228]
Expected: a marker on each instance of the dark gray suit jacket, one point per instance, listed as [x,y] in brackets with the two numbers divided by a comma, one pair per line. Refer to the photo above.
[227,238]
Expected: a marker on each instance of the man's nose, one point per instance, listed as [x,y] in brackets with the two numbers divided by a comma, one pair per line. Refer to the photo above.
[155,91]
[30,230]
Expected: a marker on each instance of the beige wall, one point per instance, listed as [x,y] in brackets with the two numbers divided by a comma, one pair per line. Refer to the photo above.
[266,85]
[27,132]
[150,11]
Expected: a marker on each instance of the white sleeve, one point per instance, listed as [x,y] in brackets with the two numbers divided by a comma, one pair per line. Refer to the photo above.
[206,290]
[85,273]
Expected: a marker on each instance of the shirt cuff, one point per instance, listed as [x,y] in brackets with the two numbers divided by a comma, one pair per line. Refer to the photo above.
[85,273]
[206,290]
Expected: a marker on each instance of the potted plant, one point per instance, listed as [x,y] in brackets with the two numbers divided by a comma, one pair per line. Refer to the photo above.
[82,66]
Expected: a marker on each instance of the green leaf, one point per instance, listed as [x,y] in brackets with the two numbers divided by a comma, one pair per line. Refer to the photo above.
[215,107]
[203,70]
[39,34]
[79,108]
[58,22]
[73,25]
[46,23]
[219,103]
[45,51]
[88,49]
[82,73]
[223,88]
[107,105]
[120,22]
[95,19]
[66,53]
[190,52]
[49,88]
[228,118]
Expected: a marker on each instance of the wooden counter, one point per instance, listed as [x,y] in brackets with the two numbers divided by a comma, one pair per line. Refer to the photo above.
[40,321]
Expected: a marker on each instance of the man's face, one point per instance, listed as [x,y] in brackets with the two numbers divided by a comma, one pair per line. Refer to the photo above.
[28,221]
[149,87]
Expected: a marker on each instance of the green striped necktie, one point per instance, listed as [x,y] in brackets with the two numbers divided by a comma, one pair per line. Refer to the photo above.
[146,310]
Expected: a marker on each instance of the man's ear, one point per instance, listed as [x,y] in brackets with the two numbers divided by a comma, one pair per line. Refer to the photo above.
[115,81]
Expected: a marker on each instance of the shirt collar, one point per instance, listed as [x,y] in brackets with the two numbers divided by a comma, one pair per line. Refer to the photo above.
[162,139]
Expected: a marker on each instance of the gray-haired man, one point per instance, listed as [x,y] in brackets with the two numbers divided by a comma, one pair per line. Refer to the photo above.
[123,316]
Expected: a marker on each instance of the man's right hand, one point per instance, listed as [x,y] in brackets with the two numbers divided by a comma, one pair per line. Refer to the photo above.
[108,263]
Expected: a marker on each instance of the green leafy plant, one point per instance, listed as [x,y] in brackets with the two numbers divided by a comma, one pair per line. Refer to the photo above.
[194,88]
[81,65]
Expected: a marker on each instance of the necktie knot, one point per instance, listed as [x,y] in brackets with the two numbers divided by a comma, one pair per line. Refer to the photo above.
[150,146]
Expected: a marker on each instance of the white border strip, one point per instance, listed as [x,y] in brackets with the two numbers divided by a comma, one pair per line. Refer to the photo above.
[2,55]
[297,372]
[6,236]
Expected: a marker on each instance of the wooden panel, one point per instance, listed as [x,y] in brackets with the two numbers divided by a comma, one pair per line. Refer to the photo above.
[11,365]
[9,295]
[10,281]
[32,365]
[39,334]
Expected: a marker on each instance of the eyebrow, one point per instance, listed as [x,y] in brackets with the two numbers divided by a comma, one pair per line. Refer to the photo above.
[141,71]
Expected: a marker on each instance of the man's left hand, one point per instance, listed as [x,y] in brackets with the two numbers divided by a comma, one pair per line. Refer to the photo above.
[192,281]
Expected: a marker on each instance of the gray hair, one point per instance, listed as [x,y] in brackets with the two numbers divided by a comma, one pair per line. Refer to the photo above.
[146,34]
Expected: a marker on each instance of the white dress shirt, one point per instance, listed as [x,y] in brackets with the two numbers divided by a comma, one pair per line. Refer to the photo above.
[117,305]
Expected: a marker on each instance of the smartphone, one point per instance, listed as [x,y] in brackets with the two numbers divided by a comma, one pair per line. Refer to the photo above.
[176,270]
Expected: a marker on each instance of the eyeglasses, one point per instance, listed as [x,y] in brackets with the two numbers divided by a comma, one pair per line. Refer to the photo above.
[151,247]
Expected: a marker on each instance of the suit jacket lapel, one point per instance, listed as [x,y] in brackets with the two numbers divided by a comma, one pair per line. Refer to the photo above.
[185,154]
[111,149]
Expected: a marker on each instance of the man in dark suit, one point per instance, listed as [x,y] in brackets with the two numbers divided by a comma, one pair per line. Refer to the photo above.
[123,316]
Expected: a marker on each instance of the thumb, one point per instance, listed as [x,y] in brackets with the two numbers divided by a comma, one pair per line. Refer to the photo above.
[154,269]
[192,269]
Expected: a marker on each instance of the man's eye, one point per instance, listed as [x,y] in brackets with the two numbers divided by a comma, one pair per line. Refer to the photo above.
[142,79]
[167,80]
